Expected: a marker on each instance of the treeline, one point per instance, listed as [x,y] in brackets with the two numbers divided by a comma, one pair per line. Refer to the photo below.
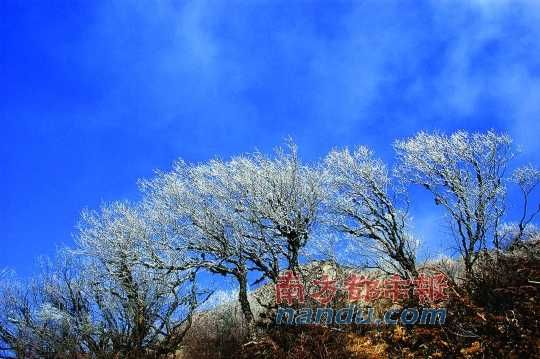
[130,286]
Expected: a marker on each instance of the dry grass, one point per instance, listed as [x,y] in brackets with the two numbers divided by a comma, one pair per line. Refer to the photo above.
[500,324]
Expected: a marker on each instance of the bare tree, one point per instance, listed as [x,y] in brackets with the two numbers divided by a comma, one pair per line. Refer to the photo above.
[280,207]
[195,206]
[527,178]
[362,203]
[464,172]
[252,212]
[20,325]
[143,311]
[48,316]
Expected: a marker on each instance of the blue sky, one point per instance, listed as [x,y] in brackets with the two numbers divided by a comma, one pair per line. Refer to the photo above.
[95,94]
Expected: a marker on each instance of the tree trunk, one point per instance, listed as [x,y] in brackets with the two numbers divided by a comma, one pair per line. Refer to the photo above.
[293,245]
[241,276]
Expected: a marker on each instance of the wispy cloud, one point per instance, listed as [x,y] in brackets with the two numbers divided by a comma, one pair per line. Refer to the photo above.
[88,91]
[376,69]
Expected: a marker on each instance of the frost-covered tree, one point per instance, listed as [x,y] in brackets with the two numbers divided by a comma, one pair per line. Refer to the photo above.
[252,212]
[194,205]
[363,204]
[509,233]
[20,326]
[281,205]
[66,306]
[464,172]
[100,299]
[141,310]
[49,315]
[527,178]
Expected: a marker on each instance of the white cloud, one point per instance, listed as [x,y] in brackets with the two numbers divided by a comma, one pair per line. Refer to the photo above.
[385,70]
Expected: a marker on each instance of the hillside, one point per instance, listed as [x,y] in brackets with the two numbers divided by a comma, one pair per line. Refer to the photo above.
[499,321]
